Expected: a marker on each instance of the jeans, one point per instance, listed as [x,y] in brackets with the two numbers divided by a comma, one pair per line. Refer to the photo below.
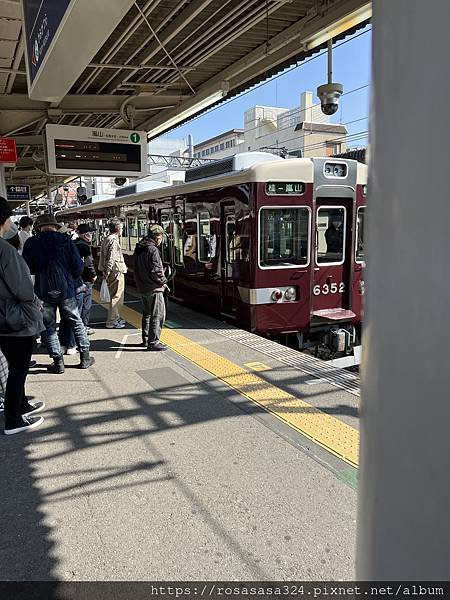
[17,351]
[68,310]
[84,303]
[116,286]
[153,317]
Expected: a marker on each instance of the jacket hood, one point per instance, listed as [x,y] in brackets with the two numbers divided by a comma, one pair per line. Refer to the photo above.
[53,239]
[144,244]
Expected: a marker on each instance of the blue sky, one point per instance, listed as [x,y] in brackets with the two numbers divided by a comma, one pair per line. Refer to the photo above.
[351,67]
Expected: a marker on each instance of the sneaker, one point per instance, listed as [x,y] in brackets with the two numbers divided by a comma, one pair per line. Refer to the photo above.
[71,351]
[33,408]
[24,425]
[33,363]
[89,331]
[157,348]
[116,325]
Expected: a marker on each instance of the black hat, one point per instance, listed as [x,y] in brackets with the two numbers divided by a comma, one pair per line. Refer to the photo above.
[85,228]
[46,219]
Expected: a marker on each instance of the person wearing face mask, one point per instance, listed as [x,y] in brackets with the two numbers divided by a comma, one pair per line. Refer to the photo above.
[20,322]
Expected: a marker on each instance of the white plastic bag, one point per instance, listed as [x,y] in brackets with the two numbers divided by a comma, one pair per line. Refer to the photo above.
[105,298]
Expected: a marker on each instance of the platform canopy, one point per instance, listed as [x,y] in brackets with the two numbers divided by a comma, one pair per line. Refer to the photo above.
[146,64]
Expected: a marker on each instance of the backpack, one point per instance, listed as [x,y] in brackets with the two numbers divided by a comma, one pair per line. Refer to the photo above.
[53,283]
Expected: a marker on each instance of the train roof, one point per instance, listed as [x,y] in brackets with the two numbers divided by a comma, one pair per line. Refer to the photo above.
[293,169]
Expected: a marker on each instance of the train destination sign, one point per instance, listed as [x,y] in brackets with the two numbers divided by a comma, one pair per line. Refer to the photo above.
[17,193]
[285,188]
[91,151]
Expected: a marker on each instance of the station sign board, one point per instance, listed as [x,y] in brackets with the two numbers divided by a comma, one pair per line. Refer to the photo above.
[18,193]
[92,151]
[8,152]
[42,19]
[61,39]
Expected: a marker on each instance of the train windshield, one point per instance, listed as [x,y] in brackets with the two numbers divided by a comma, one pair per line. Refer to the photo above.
[360,256]
[283,237]
[331,235]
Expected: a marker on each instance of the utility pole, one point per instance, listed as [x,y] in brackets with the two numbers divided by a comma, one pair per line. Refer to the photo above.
[404,487]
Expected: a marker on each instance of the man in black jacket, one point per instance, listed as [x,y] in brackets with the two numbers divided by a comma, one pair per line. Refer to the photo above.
[151,284]
[89,275]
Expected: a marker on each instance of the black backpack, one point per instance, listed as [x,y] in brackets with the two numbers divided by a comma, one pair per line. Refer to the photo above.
[53,283]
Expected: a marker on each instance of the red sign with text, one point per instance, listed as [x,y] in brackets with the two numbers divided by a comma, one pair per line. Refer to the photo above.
[8,152]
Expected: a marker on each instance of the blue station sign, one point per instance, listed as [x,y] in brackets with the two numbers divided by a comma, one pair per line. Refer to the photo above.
[42,21]
[18,193]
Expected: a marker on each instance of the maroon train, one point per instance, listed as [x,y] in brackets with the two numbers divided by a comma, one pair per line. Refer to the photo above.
[275,246]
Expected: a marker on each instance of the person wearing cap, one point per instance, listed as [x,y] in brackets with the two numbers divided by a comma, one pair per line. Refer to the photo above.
[89,275]
[112,264]
[21,321]
[151,284]
[25,232]
[50,252]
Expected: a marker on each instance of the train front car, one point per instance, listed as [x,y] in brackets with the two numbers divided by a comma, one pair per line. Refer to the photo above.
[309,256]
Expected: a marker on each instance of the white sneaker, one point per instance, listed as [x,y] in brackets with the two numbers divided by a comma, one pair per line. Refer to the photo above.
[71,351]
[28,423]
[116,325]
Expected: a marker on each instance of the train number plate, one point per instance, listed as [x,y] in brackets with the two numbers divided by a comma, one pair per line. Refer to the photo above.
[329,288]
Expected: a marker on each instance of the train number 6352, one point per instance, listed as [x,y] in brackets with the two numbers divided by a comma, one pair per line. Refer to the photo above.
[329,288]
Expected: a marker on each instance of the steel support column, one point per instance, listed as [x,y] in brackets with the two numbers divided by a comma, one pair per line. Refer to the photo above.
[403,520]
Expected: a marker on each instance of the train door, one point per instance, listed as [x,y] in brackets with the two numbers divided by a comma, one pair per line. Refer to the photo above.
[332,255]
[227,257]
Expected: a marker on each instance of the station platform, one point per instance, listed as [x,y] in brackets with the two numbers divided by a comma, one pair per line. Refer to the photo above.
[227,457]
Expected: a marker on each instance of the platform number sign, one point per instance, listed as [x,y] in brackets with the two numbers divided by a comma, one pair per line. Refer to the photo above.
[135,138]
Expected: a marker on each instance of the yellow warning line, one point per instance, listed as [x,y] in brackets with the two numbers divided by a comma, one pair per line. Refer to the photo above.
[337,437]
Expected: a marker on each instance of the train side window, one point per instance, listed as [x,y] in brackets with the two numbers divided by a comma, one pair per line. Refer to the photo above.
[133,232]
[232,240]
[124,242]
[142,228]
[178,239]
[283,237]
[330,235]
[204,229]
[165,224]
[360,255]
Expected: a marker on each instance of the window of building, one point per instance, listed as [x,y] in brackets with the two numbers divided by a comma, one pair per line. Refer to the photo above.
[331,235]
[228,144]
[204,230]
[216,148]
[222,146]
[283,237]
[360,255]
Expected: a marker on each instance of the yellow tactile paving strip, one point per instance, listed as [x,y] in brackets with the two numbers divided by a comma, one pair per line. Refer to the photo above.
[337,437]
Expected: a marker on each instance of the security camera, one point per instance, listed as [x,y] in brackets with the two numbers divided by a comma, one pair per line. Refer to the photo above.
[329,95]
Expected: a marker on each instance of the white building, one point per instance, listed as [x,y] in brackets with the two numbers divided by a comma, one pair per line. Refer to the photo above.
[302,131]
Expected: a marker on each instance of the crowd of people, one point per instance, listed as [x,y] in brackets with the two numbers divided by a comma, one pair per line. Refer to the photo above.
[47,272]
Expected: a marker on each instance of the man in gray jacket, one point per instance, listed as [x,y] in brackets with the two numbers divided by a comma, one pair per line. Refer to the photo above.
[151,284]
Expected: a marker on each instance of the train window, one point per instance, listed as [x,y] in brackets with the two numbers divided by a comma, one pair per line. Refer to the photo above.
[283,237]
[204,229]
[133,232]
[178,239]
[360,255]
[232,239]
[142,228]
[330,235]
[124,243]
[165,224]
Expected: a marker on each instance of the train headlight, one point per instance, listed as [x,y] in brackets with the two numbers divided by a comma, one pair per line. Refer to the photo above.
[289,294]
[277,295]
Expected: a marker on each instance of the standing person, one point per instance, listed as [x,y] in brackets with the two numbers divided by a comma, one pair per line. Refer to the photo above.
[151,284]
[20,322]
[26,226]
[113,265]
[83,291]
[54,259]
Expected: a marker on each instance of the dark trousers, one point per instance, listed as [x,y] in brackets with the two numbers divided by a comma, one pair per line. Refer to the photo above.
[17,351]
[66,333]
[153,317]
